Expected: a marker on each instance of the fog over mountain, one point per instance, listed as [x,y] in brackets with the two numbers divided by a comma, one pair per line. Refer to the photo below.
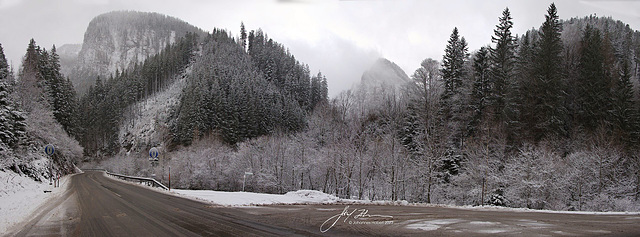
[384,72]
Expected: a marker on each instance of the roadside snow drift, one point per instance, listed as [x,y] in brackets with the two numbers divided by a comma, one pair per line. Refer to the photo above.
[20,196]
[247,198]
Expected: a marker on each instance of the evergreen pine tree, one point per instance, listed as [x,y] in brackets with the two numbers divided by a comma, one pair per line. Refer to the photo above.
[548,114]
[593,86]
[243,36]
[12,125]
[502,64]
[623,113]
[4,66]
[481,88]
[524,76]
[452,63]
[454,101]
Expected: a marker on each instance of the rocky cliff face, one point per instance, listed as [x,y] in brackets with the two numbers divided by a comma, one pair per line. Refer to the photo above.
[116,41]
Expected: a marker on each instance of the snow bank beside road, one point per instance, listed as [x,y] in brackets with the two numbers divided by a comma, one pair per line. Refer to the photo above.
[317,197]
[516,209]
[20,196]
[247,198]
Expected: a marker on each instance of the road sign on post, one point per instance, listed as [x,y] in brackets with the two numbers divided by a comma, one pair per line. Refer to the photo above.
[245,178]
[49,150]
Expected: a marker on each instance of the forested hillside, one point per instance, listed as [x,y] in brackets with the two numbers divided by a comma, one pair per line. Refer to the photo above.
[106,103]
[37,108]
[545,120]
[237,95]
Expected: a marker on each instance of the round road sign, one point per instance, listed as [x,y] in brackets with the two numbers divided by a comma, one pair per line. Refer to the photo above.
[49,149]
[153,153]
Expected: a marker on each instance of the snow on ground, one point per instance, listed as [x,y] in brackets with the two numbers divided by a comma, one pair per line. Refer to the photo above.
[20,196]
[248,198]
[317,197]
[514,209]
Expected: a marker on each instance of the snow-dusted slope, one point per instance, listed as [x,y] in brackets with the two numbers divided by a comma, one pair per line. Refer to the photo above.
[20,196]
[149,123]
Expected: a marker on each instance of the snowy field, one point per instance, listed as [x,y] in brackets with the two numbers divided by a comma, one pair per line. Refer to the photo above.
[20,196]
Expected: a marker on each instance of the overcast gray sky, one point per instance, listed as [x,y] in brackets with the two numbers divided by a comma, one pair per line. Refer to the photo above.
[339,38]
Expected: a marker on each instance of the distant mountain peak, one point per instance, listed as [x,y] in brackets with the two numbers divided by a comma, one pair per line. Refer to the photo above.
[119,39]
[384,72]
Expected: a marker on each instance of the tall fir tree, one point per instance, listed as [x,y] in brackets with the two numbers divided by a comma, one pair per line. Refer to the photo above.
[481,89]
[502,64]
[4,65]
[454,104]
[625,125]
[547,112]
[453,60]
[593,85]
[12,120]
[243,36]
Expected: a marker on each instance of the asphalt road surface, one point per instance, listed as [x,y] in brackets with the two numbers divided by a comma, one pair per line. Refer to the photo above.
[96,205]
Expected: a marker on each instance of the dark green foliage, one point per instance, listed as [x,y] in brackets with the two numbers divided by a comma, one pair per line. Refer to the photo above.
[481,89]
[452,63]
[545,112]
[229,96]
[625,127]
[318,91]
[62,96]
[454,101]
[594,87]
[41,73]
[502,64]
[12,125]
[243,36]
[4,65]
[521,103]
[281,68]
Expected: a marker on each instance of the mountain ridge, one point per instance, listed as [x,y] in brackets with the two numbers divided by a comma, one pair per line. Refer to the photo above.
[117,40]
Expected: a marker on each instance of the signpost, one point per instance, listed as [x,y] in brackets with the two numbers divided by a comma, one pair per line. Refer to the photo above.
[49,150]
[245,178]
[153,157]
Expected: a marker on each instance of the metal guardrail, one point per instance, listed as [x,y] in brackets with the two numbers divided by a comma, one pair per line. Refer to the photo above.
[141,180]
